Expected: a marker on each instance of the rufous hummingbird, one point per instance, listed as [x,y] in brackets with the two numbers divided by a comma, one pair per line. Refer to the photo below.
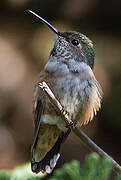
[69,74]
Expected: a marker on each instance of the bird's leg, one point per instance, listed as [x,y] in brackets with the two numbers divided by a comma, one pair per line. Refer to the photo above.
[64,112]
[70,122]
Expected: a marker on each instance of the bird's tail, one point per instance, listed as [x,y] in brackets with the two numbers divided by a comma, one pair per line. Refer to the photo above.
[48,163]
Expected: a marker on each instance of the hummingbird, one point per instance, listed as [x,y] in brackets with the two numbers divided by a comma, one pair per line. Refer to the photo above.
[69,74]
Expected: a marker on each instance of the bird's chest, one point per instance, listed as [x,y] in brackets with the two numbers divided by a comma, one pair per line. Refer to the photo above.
[67,90]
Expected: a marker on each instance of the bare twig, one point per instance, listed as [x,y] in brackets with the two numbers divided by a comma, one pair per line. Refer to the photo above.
[85,139]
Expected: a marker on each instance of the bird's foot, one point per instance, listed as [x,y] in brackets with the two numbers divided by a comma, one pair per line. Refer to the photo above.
[43,85]
[64,112]
[71,124]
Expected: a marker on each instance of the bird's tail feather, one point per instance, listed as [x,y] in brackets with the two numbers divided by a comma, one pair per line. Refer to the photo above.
[48,163]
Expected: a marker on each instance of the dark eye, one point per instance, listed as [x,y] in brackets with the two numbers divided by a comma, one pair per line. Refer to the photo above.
[75,42]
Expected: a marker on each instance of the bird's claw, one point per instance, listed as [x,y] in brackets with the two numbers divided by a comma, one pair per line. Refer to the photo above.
[64,112]
[71,124]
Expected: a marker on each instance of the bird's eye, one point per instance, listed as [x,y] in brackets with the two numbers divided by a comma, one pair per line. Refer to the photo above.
[75,42]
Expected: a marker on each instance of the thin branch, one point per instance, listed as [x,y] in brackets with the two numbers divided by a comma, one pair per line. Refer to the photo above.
[85,139]
[92,146]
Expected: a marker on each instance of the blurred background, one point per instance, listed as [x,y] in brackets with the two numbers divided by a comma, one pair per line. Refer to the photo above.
[25,44]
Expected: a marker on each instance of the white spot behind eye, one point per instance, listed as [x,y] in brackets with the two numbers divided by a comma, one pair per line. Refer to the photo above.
[79,46]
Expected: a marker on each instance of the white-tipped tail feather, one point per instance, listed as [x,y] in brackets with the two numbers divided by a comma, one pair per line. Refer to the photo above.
[53,162]
[48,163]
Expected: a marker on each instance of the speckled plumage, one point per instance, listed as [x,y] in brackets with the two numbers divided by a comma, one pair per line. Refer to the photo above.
[69,75]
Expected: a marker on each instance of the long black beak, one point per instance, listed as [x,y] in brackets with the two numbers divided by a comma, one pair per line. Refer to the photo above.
[44,21]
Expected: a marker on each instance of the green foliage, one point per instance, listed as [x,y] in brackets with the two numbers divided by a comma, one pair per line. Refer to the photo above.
[118,177]
[88,169]
[103,169]
[4,175]
[94,168]
[69,171]
[20,173]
